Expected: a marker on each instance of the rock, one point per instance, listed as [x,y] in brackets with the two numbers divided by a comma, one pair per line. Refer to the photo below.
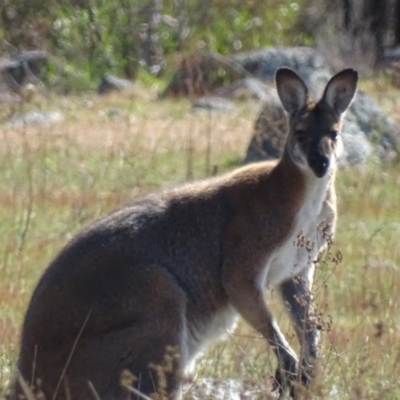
[391,54]
[22,68]
[269,135]
[357,148]
[201,74]
[31,64]
[382,132]
[6,64]
[34,118]
[244,89]
[211,103]
[111,83]
[224,389]
[307,62]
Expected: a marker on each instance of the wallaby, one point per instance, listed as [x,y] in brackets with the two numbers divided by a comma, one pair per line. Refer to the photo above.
[162,277]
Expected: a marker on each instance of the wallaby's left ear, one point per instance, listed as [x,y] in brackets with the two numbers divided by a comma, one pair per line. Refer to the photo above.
[340,90]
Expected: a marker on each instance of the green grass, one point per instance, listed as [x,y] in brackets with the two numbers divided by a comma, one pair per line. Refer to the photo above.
[56,179]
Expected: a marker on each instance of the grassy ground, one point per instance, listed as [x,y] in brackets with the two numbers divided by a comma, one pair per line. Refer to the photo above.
[55,179]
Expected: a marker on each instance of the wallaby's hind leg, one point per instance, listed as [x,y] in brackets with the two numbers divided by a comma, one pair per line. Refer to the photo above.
[147,360]
[164,373]
[119,335]
[149,349]
[149,355]
[296,293]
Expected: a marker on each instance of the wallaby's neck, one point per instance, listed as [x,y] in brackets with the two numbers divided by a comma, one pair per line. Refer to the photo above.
[291,174]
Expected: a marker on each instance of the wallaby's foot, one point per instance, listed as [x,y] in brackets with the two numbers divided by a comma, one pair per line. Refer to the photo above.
[290,378]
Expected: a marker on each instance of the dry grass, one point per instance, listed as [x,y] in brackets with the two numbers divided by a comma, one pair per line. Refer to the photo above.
[54,179]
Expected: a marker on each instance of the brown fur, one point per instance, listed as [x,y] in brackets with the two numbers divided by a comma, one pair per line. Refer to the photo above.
[163,273]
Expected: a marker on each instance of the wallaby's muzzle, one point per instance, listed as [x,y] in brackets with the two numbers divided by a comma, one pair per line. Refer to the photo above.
[318,161]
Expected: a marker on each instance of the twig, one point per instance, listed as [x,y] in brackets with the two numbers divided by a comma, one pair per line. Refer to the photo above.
[70,356]
[137,392]
[28,393]
[93,390]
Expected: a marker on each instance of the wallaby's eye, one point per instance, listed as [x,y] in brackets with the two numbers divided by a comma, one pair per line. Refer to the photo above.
[334,135]
[301,136]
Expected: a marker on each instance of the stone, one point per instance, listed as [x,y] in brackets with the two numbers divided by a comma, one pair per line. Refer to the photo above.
[211,103]
[34,118]
[110,83]
[22,68]
[307,62]
[245,89]
[224,389]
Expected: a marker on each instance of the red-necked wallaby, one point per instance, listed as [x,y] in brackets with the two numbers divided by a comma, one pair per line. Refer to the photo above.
[171,272]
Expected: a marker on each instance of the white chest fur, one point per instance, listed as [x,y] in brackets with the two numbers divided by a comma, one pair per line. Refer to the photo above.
[308,236]
[218,327]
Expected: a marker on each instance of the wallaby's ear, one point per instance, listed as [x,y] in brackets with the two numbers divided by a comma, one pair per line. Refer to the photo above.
[292,90]
[340,90]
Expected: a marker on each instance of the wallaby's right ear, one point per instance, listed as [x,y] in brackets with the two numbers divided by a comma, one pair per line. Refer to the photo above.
[292,90]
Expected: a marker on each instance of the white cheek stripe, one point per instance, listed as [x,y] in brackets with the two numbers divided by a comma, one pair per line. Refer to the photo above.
[297,155]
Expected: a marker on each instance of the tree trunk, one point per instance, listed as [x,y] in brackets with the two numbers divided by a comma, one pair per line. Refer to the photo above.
[348,14]
[376,17]
[150,51]
[396,13]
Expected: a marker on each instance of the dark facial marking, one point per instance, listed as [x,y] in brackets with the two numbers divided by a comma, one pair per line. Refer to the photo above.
[317,134]
[318,158]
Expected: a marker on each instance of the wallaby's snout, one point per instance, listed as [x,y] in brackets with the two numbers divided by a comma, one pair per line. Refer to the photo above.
[319,157]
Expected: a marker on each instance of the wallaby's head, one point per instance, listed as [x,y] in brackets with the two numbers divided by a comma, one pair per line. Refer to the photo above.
[314,140]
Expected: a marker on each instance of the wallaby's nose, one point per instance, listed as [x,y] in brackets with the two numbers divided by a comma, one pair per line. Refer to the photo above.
[319,163]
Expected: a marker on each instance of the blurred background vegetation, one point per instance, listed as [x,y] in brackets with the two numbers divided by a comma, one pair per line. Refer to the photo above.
[124,37]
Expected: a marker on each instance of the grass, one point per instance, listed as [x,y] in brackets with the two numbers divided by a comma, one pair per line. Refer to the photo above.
[108,150]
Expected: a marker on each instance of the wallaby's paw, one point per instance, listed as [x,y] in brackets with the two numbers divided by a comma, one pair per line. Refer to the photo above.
[289,378]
